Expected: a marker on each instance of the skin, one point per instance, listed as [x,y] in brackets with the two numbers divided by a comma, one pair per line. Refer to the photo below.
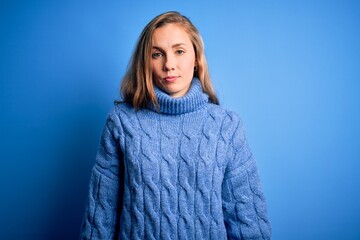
[172,60]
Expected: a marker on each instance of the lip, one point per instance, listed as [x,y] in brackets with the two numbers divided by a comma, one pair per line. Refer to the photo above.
[170,78]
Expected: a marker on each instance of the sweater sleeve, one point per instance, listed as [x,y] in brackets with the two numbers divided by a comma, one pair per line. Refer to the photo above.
[244,205]
[104,202]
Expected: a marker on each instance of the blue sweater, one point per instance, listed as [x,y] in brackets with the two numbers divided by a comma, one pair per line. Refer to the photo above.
[186,172]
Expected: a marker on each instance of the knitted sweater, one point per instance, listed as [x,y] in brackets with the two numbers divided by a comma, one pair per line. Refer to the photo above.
[186,172]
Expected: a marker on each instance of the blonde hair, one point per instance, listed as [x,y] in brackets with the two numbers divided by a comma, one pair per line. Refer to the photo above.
[137,87]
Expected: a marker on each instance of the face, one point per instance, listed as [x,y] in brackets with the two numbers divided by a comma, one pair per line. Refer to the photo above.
[172,59]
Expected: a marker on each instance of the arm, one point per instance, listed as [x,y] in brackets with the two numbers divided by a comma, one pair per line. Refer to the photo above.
[244,203]
[104,202]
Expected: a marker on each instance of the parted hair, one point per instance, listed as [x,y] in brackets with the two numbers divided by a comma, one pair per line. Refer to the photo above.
[137,86]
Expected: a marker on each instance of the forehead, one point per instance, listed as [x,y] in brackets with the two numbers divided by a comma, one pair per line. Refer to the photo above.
[170,34]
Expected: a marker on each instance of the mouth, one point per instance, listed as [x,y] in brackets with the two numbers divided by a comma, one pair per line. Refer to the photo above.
[171,78]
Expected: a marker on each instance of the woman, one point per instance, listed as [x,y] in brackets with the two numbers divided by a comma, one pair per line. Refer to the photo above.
[173,164]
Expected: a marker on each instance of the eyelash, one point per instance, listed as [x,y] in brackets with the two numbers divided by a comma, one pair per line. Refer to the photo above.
[180,52]
[158,54]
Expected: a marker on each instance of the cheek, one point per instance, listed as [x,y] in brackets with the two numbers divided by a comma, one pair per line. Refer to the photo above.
[190,62]
[155,69]
[189,66]
[156,73]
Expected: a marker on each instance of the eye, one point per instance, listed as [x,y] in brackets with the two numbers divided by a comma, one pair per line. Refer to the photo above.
[180,52]
[156,55]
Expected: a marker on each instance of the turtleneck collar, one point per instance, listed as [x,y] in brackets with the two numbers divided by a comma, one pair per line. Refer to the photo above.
[193,99]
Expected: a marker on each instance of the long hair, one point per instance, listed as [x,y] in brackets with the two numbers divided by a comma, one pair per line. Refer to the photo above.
[137,87]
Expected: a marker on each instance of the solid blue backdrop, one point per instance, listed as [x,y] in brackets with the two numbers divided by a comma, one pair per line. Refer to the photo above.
[291,69]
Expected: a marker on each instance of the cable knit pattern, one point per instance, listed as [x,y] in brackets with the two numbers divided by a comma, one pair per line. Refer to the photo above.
[185,172]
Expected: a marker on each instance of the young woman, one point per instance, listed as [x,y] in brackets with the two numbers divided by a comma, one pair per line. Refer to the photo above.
[172,163]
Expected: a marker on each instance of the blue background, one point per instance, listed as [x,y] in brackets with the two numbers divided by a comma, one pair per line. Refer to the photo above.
[291,69]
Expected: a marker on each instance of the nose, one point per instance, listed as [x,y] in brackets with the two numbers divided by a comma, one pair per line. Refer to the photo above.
[169,64]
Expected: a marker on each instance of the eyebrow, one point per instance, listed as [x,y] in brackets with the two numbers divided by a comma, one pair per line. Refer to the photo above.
[173,46]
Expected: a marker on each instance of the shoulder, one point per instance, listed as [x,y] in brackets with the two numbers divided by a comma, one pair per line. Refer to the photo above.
[116,115]
[229,116]
[230,122]
[120,110]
